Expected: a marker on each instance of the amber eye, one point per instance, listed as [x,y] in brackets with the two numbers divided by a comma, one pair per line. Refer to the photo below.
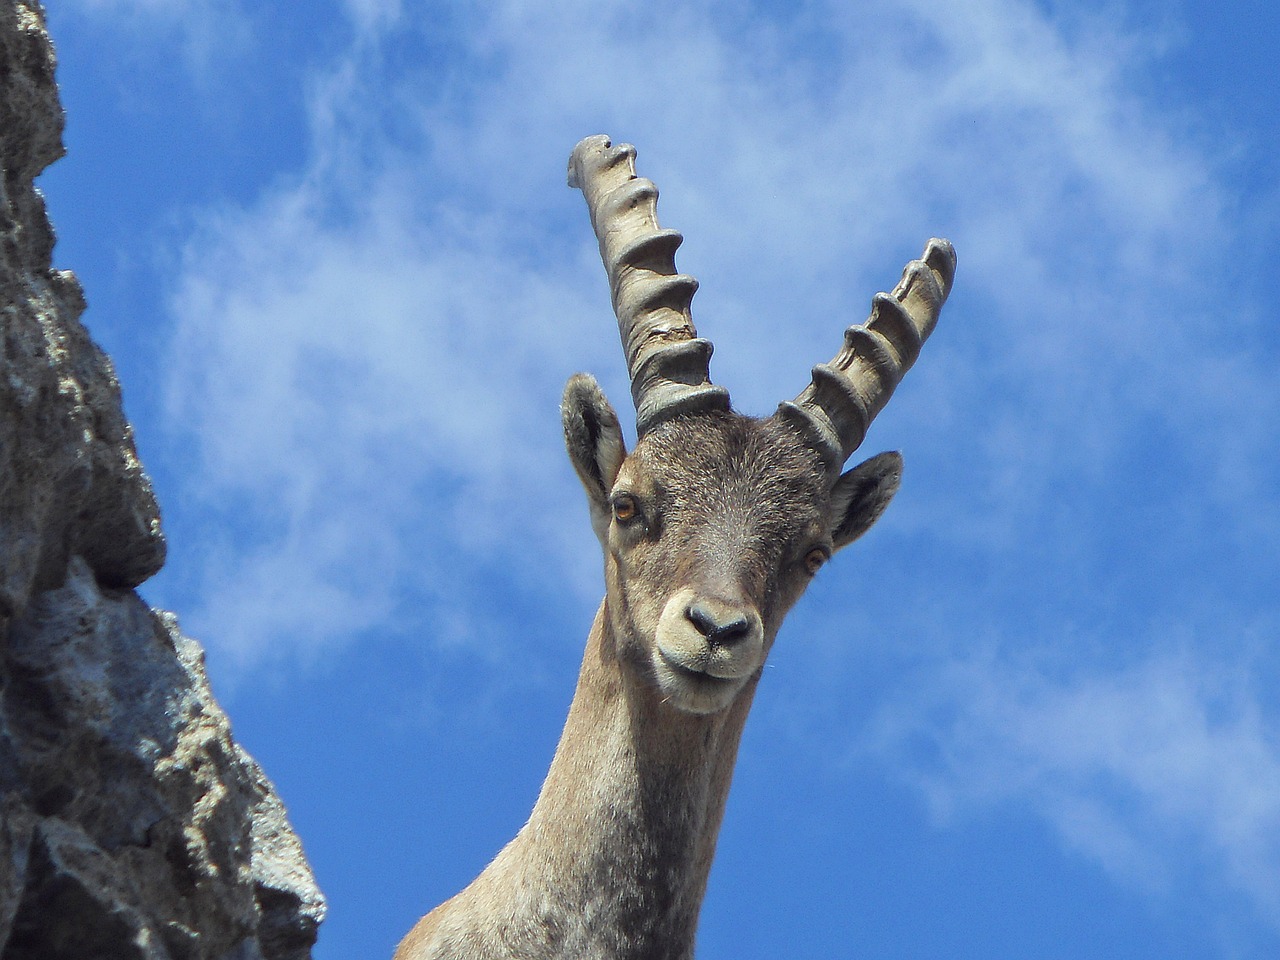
[624,508]
[814,559]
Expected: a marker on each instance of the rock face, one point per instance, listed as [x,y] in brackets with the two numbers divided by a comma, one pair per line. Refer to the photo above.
[131,824]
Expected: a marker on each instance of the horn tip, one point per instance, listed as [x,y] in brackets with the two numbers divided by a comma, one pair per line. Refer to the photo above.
[581,150]
[600,150]
[940,256]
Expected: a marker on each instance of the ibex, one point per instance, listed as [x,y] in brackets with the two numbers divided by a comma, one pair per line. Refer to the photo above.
[711,529]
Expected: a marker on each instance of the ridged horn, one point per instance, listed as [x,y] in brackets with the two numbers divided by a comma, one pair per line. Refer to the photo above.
[667,361]
[836,409]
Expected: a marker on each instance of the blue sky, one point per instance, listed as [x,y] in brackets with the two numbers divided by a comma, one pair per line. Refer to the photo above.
[1034,713]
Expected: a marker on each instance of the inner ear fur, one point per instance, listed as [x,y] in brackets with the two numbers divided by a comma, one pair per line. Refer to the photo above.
[593,438]
[861,495]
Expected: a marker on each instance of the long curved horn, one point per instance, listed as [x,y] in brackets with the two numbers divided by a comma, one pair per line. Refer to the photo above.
[667,361]
[836,409]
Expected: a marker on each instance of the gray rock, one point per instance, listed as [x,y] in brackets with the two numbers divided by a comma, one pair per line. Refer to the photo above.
[131,823]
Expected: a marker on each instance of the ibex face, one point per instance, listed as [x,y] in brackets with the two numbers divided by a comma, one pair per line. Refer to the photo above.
[713,526]
[716,522]
[711,529]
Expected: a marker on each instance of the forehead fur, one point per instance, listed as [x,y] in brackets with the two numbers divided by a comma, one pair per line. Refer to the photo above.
[729,461]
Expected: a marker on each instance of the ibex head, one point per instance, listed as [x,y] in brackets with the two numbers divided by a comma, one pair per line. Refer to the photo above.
[714,525]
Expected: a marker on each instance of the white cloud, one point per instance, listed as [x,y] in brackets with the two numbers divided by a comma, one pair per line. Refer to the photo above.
[1166,773]
[372,17]
[370,401]
[206,31]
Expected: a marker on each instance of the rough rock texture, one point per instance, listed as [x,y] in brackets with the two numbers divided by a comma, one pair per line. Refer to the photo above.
[131,824]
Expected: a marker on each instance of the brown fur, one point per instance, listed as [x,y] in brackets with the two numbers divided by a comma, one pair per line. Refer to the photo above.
[717,512]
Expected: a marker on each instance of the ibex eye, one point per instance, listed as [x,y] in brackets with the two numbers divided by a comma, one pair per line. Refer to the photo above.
[814,559]
[624,508]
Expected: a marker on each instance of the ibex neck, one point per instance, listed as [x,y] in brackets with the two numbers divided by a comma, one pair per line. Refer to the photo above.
[613,861]
[629,814]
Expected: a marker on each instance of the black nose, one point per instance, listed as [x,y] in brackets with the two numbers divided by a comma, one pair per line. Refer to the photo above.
[730,627]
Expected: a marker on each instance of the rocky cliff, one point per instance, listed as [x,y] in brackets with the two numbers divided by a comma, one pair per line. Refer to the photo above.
[131,823]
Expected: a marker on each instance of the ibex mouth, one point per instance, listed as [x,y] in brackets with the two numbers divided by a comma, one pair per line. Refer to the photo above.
[694,689]
[684,670]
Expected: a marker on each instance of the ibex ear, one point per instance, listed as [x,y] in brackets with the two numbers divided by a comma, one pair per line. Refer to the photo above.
[593,437]
[860,496]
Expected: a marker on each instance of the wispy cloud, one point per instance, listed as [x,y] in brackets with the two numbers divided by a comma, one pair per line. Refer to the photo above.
[375,414]
[206,31]
[1166,773]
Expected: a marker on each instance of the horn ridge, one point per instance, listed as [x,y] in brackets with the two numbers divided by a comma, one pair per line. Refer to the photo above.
[891,321]
[651,250]
[834,412]
[667,362]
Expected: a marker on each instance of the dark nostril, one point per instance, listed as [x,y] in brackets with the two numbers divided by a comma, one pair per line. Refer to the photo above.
[730,630]
[701,619]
